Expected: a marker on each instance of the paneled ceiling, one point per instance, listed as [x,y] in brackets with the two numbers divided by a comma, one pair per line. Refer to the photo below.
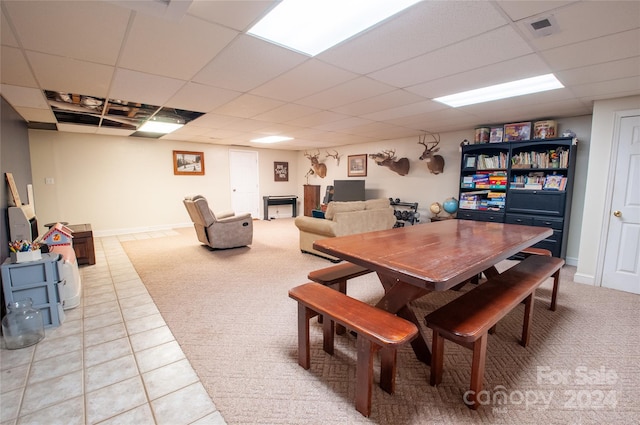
[195,55]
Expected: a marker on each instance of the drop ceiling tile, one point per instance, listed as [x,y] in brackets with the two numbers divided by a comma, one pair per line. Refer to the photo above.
[244,125]
[247,63]
[384,101]
[623,86]
[523,9]
[173,49]
[464,56]
[405,110]
[344,125]
[304,80]
[139,87]
[515,69]
[219,133]
[422,28]
[6,34]
[73,128]
[36,114]
[286,112]
[247,106]
[212,120]
[24,97]
[91,31]
[627,45]
[201,98]
[239,15]
[318,119]
[278,129]
[70,75]
[190,130]
[110,131]
[605,18]
[346,93]
[14,68]
[600,72]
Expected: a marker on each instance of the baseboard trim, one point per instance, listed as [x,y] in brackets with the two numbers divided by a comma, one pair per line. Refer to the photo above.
[585,279]
[131,230]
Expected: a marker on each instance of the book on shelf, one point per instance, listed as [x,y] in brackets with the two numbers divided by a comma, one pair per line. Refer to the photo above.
[532,186]
[554,182]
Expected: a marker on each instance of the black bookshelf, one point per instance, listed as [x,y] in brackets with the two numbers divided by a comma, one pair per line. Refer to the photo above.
[527,182]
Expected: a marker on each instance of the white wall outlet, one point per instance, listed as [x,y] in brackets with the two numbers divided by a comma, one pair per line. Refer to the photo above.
[49,180]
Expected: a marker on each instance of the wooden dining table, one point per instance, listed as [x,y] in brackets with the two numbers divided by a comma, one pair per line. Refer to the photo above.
[413,261]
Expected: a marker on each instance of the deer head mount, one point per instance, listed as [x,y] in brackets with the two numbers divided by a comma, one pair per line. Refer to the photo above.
[336,156]
[434,162]
[387,158]
[317,167]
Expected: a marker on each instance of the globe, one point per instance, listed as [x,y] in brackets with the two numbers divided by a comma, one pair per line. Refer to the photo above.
[436,208]
[450,205]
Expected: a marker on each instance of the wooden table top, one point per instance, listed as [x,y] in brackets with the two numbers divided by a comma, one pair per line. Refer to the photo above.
[435,256]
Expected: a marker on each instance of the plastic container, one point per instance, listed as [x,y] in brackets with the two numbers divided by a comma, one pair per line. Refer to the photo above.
[23,325]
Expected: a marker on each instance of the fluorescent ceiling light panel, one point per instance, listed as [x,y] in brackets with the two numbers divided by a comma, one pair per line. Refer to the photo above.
[152,126]
[312,26]
[502,91]
[272,139]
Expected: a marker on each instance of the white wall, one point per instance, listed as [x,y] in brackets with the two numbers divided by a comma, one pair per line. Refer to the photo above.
[123,184]
[418,186]
[596,214]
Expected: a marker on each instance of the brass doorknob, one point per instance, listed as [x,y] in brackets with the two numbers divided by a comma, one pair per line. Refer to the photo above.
[617,213]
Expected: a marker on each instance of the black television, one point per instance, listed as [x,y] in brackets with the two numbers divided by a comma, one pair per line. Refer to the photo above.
[348,190]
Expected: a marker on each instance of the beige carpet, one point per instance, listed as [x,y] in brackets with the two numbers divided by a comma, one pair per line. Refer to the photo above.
[230,312]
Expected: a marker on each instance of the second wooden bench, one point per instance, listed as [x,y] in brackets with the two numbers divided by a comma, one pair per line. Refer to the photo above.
[376,329]
[467,319]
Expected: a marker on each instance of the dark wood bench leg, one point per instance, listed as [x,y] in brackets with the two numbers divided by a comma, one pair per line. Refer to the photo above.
[554,295]
[327,335]
[342,287]
[304,354]
[528,316]
[364,375]
[388,369]
[477,371]
[437,358]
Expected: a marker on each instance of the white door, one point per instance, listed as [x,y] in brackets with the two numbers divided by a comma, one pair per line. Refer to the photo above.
[621,268]
[243,166]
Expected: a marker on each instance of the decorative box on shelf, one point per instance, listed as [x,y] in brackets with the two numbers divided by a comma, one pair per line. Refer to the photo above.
[24,256]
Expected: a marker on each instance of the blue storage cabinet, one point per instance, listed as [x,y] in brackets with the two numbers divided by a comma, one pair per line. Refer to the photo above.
[39,280]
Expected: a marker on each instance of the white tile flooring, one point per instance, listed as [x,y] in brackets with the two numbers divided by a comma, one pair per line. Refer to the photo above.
[112,361]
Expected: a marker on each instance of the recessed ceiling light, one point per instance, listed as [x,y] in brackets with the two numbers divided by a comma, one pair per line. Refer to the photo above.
[502,91]
[312,26]
[158,125]
[272,139]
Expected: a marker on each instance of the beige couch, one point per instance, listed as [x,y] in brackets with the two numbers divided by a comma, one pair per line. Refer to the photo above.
[344,218]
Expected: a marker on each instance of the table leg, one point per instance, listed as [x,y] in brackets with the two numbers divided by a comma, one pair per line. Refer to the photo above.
[396,299]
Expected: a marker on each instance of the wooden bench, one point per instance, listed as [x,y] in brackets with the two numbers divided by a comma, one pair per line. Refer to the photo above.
[467,319]
[376,330]
[527,252]
[337,276]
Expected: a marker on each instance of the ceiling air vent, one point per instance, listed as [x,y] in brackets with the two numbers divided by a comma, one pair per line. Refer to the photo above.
[543,26]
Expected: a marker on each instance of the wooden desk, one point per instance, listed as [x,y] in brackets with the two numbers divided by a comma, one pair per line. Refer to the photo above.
[413,261]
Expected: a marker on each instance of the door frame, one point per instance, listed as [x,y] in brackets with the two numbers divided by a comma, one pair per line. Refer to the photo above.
[257,198]
[606,213]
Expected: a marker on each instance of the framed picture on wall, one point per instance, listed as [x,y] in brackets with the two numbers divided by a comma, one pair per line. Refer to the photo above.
[357,165]
[188,163]
[280,171]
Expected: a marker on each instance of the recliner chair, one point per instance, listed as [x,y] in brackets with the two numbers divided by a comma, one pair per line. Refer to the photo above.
[222,230]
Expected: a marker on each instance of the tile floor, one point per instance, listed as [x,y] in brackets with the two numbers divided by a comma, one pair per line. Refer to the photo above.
[112,361]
